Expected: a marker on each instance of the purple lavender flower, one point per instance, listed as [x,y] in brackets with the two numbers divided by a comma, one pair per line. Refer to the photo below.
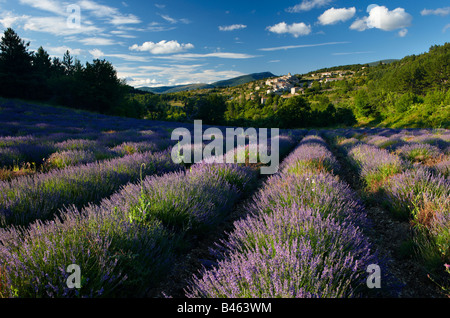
[407,192]
[419,152]
[287,254]
[41,195]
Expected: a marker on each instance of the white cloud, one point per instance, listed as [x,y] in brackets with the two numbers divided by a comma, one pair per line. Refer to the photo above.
[359,24]
[307,5]
[332,16]
[97,41]
[173,20]
[381,18]
[299,46]
[112,15]
[168,19]
[124,19]
[162,47]
[194,56]
[97,54]
[60,50]
[295,29]
[232,27]
[446,27]
[8,19]
[57,26]
[46,5]
[402,32]
[439,11]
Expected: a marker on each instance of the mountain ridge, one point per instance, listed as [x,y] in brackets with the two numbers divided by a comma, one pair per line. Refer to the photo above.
[223,83]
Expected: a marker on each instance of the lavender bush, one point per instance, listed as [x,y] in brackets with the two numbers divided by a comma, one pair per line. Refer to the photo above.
[123,243]
[40,196]
[407,192]
[110,251]
[310,156]
[292,252]
[443,166]
[373,164]
[62,159]
[418,152]
[301,238]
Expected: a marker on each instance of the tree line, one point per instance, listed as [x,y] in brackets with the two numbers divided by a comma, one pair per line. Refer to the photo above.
[93,86]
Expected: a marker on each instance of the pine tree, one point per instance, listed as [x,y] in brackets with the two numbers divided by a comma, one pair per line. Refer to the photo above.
[15,66]
[14,55]
[68,63]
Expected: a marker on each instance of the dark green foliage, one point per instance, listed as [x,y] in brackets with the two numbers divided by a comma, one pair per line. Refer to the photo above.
[210,109]
[295,112]
[35,76]
[15,65]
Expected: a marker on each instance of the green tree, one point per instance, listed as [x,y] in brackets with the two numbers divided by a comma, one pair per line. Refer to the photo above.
[295,112]
[68,63]
[102,89]
[210,109]
[42,68]
[15,65]
[362,103]
[42,62]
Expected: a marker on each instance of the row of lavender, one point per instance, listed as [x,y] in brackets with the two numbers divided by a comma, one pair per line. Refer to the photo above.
[411,186]
[302,237]
[39,138]
[128,242]
[60,150]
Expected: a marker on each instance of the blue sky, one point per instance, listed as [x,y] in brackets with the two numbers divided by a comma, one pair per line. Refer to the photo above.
[155,43]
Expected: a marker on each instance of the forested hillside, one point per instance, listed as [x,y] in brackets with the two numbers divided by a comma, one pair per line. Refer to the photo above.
[413,91]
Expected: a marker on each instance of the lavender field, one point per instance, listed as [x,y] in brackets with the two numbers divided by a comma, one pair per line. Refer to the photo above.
[103,193]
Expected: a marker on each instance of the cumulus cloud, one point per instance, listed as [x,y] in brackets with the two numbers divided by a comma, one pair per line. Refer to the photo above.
[381,18]
[332,16]
[162,47]
[307,5]
[439,11]
[232,27]
[295,29]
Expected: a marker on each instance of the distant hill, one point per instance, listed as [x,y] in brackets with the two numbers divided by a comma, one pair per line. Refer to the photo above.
[243,79]
[225,83]
[175,89]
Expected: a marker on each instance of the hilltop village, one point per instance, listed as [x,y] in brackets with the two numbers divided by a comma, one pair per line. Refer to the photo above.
[291,85]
